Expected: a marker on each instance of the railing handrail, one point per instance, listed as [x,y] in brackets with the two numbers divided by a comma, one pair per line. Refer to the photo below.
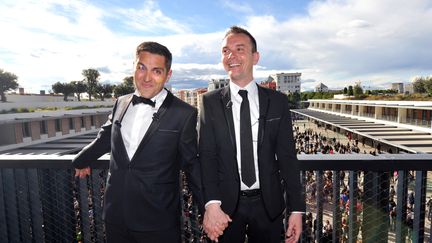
[366,162]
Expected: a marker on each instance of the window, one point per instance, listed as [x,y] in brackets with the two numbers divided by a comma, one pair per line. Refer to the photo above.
[58,126]
[92,120]
[43,127]
[71,123]
[26,129]
[82,122]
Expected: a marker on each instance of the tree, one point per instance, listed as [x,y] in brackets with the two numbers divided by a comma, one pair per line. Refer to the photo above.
[8,81]
[345,90]
[294,100]
[126,87]
[64,88]
[79,88]
[350,90]
[357,91]
[104,91]
[91,77]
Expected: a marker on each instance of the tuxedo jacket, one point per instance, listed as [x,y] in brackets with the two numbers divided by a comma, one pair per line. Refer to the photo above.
[143,193]
[277,161]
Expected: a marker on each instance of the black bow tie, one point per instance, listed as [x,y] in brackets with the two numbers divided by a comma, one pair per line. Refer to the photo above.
[139,99]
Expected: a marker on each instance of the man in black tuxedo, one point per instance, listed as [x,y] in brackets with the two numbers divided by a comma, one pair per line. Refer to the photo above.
[151,135]
[247,154]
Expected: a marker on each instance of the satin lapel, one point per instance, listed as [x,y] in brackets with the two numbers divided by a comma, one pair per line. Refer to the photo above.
[118,117]
[264,102]
[227,108]
[154,125]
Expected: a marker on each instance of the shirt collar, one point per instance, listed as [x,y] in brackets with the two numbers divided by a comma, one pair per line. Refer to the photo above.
[159,98]
[251,88]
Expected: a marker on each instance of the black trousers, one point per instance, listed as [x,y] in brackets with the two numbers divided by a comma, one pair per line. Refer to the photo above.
[120,234]
[251,220]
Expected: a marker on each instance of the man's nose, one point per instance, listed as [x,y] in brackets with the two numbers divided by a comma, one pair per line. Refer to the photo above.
[147,77]
[231,55]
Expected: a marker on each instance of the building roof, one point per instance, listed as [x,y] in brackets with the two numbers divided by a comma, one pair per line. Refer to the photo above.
[44,115]
[404,138]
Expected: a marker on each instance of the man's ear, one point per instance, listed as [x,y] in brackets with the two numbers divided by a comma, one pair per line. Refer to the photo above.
[256,57]
[168,75]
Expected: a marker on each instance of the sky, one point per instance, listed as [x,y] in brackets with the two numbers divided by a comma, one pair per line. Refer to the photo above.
[335,42]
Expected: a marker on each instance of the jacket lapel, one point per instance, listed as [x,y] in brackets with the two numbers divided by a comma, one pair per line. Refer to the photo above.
[119,113]
[263,108]
[227,108]
[154,125]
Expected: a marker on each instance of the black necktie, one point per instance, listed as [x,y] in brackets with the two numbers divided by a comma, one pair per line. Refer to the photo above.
[246,146]
[139,99]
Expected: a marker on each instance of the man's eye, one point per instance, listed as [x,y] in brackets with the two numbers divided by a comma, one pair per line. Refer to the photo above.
[140,67]
[158,72]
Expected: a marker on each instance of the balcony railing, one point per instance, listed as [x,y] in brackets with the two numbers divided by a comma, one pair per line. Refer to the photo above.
[41,201]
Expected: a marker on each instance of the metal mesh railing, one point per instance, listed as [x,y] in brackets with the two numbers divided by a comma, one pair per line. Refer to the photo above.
[344,203]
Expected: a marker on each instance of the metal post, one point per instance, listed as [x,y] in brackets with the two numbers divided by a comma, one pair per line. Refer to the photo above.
[319,210]
[353,192]
[401,206]
[337,222]
[419,208]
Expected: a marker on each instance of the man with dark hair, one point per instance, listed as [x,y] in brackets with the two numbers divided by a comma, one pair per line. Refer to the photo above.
[247,154]
[151,136]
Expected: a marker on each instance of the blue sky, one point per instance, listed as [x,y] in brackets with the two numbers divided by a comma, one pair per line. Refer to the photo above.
[336,42]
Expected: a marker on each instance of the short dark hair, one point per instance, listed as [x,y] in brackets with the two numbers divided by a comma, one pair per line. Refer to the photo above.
[239,30]
[155,48]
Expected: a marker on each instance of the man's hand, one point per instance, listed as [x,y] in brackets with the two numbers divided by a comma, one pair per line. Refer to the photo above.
[215,221]
[82,173]
[294,228]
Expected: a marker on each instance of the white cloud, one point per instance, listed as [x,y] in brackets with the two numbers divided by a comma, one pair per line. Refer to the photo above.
[345,41]
[336,43]
[149,18]
[243,8]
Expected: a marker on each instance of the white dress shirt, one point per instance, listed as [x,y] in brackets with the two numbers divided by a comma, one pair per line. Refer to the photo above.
[236,100]
[137,120]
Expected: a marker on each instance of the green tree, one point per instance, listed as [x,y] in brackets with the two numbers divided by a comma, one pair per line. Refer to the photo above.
[294,100]
[8,81]
[357,91]
[91,78]
[126,87]
[350,90]
[64,88]
[104,91]
[345,90]
[79,88]
[419,85]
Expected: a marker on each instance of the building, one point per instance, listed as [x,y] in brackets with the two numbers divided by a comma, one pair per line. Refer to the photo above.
[321,88]
[409,88]
[410,114]
[287,82]
[217,83]
[398,86]
[37,127]
[192,96]
[271,84]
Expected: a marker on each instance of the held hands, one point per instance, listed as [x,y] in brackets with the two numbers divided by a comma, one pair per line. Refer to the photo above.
[215,221]
[82,173]
[294,228]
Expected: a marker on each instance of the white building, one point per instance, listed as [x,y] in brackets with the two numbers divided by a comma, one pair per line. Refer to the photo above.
[321,88]
[217,83]
[409,88]
[398,86]
[287,82]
